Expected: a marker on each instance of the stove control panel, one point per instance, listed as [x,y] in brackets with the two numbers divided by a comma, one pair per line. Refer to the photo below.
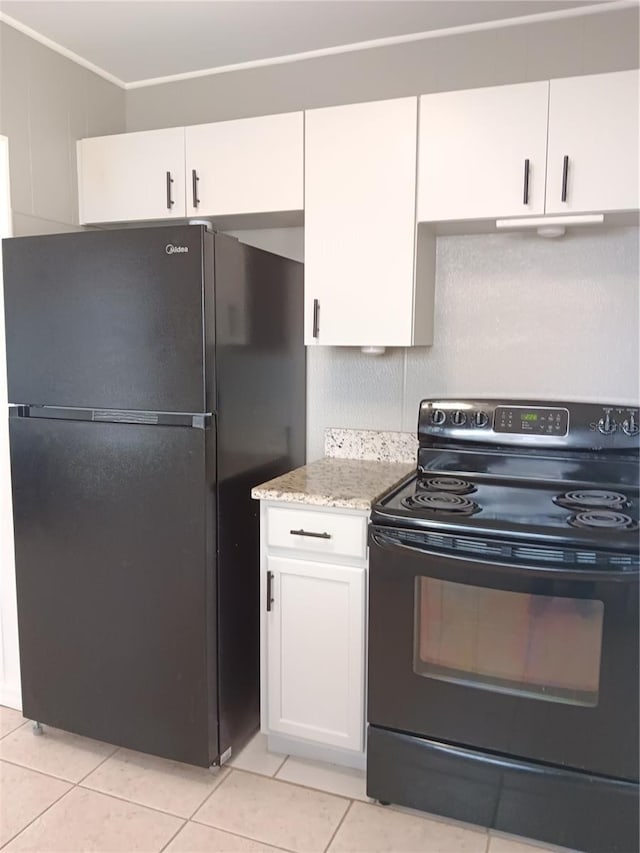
[528,420]
[581,426]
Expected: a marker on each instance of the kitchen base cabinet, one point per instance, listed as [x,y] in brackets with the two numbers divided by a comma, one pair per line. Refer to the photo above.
[313,605]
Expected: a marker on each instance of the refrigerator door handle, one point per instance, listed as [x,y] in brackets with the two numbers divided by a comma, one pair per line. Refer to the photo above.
[188,419]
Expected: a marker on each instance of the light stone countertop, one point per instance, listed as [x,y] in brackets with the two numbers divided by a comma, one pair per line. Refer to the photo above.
[348,483]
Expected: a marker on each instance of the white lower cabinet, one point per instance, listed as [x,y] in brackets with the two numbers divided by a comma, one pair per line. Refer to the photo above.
[313,635]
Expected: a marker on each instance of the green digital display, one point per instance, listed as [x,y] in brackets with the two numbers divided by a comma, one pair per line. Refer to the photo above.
[530,416]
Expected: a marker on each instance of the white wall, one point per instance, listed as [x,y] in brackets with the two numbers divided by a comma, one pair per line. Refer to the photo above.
[48,102]
[581,45]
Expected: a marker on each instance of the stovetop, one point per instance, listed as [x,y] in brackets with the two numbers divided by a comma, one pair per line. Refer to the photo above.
[581,494]
[515,508]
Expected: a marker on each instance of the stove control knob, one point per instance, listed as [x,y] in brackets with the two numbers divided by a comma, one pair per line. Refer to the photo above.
[459,418]
[480,419]
[606,424]
[630,425]
[438,417]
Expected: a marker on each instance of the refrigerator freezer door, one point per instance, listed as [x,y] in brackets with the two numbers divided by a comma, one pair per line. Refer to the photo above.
[115,555]
[107,319]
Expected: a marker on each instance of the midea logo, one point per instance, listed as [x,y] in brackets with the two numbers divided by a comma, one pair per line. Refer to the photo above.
[170,249]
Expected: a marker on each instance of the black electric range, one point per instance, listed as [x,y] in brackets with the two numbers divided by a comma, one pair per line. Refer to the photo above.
[503,622]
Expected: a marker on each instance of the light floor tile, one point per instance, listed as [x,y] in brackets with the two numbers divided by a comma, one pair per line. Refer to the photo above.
[274,812]
[166,785]
[93,823]
[344,781]
[195,838]
[256,758]
[9,720]
[55,752]
[377,829]
[24,794]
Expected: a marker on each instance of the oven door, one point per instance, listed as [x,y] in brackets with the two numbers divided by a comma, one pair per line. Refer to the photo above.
[520,660]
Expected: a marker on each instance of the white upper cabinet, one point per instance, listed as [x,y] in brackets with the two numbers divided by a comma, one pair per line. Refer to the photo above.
[132,176]
[564,146]
[482,153]
[594,143]
[247,166]
[360,183]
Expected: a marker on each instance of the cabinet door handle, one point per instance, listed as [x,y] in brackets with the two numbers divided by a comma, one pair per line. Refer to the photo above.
[269,590]
[194,187]
[170,201]
[310,533]
[525,197]
[316,318]
[565,175]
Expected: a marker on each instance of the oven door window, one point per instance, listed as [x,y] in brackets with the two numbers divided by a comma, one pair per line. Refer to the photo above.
[544,647]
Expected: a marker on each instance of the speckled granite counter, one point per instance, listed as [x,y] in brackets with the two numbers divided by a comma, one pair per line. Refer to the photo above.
[349,483]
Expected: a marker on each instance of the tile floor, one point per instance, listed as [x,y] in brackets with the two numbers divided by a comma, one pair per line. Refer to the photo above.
[60,793]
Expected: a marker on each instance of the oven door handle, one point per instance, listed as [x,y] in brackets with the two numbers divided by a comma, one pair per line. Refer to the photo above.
[560,573]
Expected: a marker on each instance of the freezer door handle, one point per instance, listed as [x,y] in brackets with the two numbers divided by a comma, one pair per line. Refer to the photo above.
[117,416]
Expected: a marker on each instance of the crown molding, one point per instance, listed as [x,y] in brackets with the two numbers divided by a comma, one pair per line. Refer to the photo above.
[578,11]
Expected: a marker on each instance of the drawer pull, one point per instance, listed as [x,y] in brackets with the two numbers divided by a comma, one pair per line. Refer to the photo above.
[309,533]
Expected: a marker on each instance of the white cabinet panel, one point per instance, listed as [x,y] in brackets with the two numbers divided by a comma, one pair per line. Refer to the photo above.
[247,166]
[593,122]
[9,654]
[474,146]
[360,173]
[315,656]
[132,176]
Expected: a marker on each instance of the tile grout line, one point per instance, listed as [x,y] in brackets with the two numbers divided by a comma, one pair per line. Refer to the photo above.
[19,726]
[340,822]
[106,758]
[178,830]
[131,802]
[281,765]
[238,835]
[224,776]
[44,811]
[34,770]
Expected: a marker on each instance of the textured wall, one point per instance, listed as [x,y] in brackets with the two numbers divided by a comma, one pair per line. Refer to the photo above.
[582,45]
[48,102]
[515,315]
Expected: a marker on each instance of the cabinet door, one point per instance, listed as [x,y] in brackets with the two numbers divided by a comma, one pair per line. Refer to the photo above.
[132,176]
[593,123]
[315,652]
[252,165]
[474,147]
[360,171]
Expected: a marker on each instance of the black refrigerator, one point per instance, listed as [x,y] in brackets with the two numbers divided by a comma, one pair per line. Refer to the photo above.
[155,375]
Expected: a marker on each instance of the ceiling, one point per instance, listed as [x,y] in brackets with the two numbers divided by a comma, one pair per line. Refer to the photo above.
[137,40]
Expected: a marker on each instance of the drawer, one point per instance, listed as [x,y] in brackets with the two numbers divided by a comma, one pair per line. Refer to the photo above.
[335,534]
